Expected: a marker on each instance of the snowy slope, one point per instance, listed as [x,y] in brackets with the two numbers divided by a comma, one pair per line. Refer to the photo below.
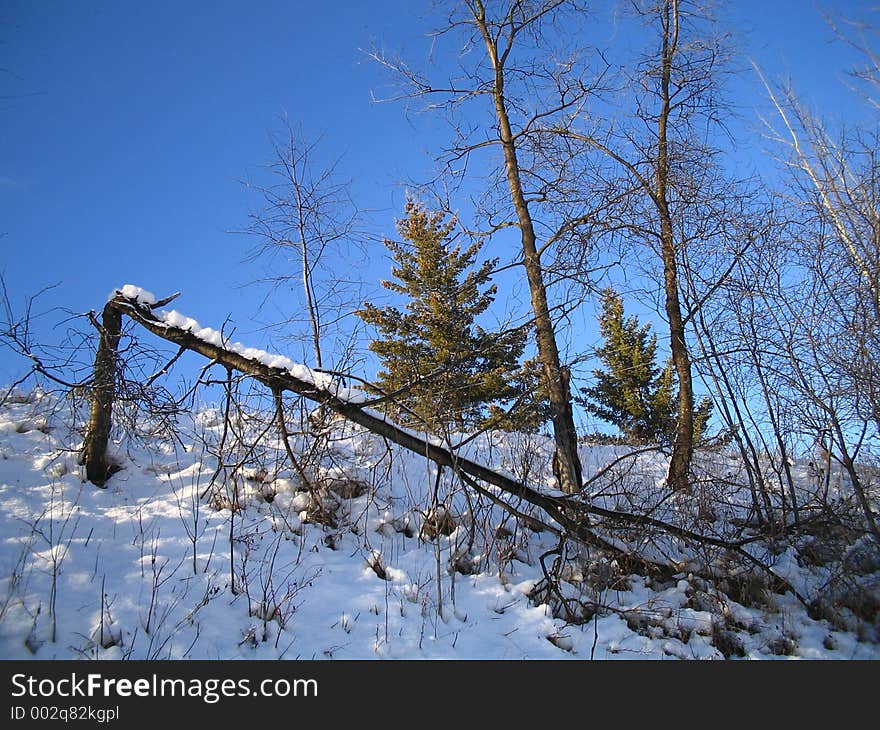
[164,564]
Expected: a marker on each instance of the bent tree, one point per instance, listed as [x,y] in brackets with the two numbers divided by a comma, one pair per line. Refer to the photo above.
[567,516]
[94,454]
[504,61]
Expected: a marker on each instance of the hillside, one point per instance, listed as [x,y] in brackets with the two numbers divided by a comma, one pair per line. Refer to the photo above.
[376,558]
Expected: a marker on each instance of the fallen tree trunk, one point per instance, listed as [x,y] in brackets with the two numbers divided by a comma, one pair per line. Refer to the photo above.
[569,512]
[280,379]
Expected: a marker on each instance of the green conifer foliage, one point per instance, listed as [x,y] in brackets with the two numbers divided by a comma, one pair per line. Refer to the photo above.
[530,409]
[444,368]
[631,392]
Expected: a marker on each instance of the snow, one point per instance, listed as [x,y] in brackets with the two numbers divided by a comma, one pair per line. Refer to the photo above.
[135,293]
[173,318]
[142,568]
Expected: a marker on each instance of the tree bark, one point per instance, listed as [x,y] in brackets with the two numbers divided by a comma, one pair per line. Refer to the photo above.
[94,451]
[569,513]
[683,447]
[279,380]
[567,466]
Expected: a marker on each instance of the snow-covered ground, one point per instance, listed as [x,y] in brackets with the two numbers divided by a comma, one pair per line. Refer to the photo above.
[165,564]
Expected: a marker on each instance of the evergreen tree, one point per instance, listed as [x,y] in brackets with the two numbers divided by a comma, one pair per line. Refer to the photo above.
[444,368]
[530,409]
[632,393]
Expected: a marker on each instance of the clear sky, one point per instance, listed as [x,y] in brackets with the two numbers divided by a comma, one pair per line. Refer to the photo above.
[126,128]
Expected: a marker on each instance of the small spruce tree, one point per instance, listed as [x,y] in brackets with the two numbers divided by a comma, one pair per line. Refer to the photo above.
[632,393]
[445,369]
[530,409]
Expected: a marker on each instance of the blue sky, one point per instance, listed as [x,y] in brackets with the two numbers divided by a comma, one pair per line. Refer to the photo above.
[131,126]
[126,129]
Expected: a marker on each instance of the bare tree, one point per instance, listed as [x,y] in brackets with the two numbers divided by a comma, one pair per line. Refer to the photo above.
[94,454]
[566,516]
[516,78]
[660,147]
[831,321]
[51,365]
[683,447]
[308,215]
